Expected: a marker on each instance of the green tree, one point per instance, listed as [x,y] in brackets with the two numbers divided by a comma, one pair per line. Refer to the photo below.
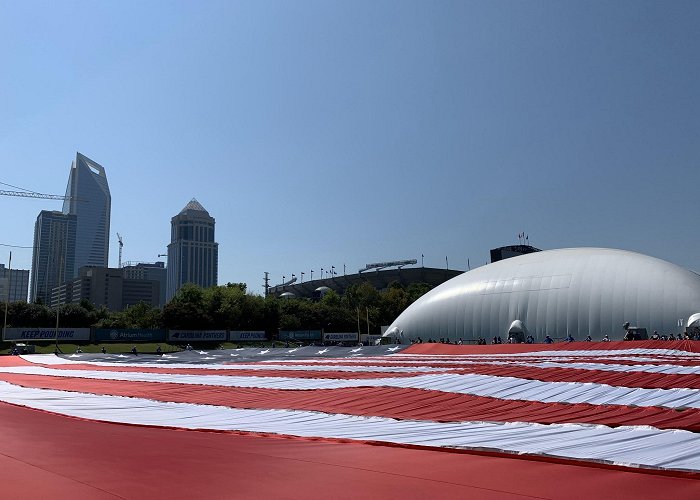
[76,316]
[143,315]
[22,314]
[187,310]
[242,286]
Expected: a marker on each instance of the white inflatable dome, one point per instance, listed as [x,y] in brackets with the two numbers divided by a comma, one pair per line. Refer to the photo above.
[571,291]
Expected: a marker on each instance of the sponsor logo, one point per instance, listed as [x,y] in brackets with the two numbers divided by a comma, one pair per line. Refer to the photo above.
[46,334]
[247,335]
[194,335]
[340,336]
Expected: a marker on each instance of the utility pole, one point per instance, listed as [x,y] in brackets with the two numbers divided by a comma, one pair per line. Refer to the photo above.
[58,304]
[266,283]
[367,311]
[7,294]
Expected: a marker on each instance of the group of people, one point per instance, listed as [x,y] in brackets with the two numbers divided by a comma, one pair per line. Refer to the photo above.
[681,336]
[569,338]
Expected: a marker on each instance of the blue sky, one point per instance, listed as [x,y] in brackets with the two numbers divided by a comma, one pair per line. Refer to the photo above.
[323,133]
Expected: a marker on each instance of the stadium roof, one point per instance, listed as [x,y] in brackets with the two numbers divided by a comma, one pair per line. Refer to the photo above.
[378,279]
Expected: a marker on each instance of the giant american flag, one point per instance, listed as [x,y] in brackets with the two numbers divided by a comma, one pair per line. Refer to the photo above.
[625,408]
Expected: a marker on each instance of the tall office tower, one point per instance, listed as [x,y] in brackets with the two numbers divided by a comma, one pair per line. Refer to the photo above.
[193,255]
[53,260]
[91,203]
[14,284]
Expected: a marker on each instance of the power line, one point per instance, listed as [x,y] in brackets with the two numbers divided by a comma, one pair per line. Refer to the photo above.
[16,187]
[12,246]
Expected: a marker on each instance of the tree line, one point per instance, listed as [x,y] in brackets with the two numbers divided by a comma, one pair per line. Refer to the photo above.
[230,307]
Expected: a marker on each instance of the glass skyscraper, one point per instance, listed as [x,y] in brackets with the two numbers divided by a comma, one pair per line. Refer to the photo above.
[193,255]
[53,260]
[88,198]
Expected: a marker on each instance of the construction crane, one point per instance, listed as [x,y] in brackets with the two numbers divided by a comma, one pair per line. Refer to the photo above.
[32,194]
[27,193]
[121,245]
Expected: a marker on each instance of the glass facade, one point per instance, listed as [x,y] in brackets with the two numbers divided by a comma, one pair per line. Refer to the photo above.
[193,255]
[91,203]
[53,259]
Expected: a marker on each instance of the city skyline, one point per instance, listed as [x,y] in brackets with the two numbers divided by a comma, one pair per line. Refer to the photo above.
[328,134]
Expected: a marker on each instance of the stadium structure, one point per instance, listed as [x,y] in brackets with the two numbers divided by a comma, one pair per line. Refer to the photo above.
[572,292]
[509,251]
[380,275]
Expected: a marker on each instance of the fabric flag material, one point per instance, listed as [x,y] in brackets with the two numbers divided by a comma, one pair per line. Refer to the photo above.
[626,405]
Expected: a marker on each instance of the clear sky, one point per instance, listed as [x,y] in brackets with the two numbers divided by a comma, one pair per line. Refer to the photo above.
[323,133]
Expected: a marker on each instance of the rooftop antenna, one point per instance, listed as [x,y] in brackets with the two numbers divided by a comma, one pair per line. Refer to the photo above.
[121,245]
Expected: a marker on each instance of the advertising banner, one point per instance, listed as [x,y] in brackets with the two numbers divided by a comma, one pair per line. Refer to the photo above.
[300,335]
[197,335]
[238,335]
[340,337]
[129,335]
[64,334]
